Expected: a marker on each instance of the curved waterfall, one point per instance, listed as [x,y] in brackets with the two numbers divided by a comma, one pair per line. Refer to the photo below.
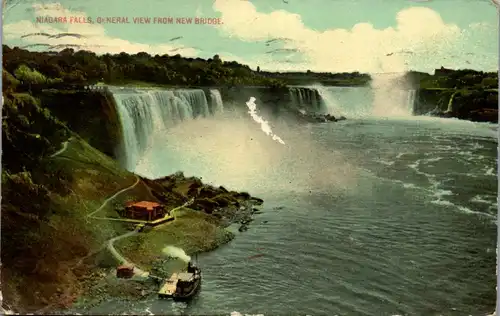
[143,112]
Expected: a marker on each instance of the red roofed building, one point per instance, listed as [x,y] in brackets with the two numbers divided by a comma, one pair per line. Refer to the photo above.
[144,210]
[125,271]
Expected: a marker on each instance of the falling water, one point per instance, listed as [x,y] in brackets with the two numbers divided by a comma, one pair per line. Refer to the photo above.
[216,101]
[306,98]
[386,97]
[391,96]
[410,102]
[145,112]
[329,101]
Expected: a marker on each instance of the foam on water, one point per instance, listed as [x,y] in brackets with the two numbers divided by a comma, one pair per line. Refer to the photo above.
[481,199]
[362,227]
[144,113]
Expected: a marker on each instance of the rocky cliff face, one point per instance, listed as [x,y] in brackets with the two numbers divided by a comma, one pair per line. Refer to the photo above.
[275,101]
[97,121]
[91,114]
[474,105]
[53,180]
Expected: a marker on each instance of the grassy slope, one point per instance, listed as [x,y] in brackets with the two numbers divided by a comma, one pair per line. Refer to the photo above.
[68,235]
[59,240]
[47,234]
[193,231]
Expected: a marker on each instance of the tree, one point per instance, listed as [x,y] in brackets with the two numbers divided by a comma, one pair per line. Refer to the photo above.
[490,83]
[258,69]
[75,76]
[84,67]
[29,76]
[217,59]
[67,52]
[9,81]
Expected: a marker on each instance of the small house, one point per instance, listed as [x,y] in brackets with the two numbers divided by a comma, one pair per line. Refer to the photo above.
[144,210]
[125,271]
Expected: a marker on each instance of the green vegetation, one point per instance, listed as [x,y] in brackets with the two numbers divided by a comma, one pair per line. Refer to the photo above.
[47,234]
[45,201]
[30,76]
[85,67]
[204,233]
[454,79]
[45,229]
[460,79]
[464,94]
[324,78]
[28,125]
[97,121]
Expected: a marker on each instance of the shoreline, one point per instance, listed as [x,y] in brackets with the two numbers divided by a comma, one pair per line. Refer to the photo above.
[100,282]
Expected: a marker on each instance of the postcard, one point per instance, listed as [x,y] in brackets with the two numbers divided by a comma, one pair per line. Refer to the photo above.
[249,157]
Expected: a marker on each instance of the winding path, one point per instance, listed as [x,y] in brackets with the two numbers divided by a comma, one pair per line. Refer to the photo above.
[110,243]
[63,149]
[122,259]
[114,196]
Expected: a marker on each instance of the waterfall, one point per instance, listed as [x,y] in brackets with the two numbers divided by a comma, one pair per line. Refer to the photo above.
[330,103]
[410,104]
[216,101]
[143,113]
[450,102]
[306,98]
[383,98]
[391,95]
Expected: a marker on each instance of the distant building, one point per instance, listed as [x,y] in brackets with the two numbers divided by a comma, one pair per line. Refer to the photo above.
[144,210]
[443,71]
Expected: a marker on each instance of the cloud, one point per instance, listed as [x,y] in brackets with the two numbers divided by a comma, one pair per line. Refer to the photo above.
[95,39]
[361,48]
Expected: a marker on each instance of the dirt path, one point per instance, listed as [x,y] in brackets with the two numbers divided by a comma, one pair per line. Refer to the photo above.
[63,149]
[114,196]
[110,243]
[121,258]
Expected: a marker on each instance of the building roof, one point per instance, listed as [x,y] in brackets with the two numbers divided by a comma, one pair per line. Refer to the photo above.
[185,276]
[125,266]
[144,204]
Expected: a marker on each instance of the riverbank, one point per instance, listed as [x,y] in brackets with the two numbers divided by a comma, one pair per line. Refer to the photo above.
[67,175]
[65,256]
[355,227]
[191,230]
[477,105]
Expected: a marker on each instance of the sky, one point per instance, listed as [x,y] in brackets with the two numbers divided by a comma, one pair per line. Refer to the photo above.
[371,36]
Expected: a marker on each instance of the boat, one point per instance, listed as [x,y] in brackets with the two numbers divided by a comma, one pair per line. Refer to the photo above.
[182,286]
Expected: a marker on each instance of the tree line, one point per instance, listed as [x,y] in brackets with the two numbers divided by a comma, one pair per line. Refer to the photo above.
[86,67]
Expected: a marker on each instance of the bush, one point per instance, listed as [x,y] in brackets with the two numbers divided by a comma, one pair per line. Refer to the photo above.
[29,76]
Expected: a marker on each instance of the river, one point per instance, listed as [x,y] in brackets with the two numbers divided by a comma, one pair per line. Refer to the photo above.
[369,216]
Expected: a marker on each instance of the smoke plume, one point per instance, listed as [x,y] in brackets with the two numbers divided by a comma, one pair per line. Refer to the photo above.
[175,252]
